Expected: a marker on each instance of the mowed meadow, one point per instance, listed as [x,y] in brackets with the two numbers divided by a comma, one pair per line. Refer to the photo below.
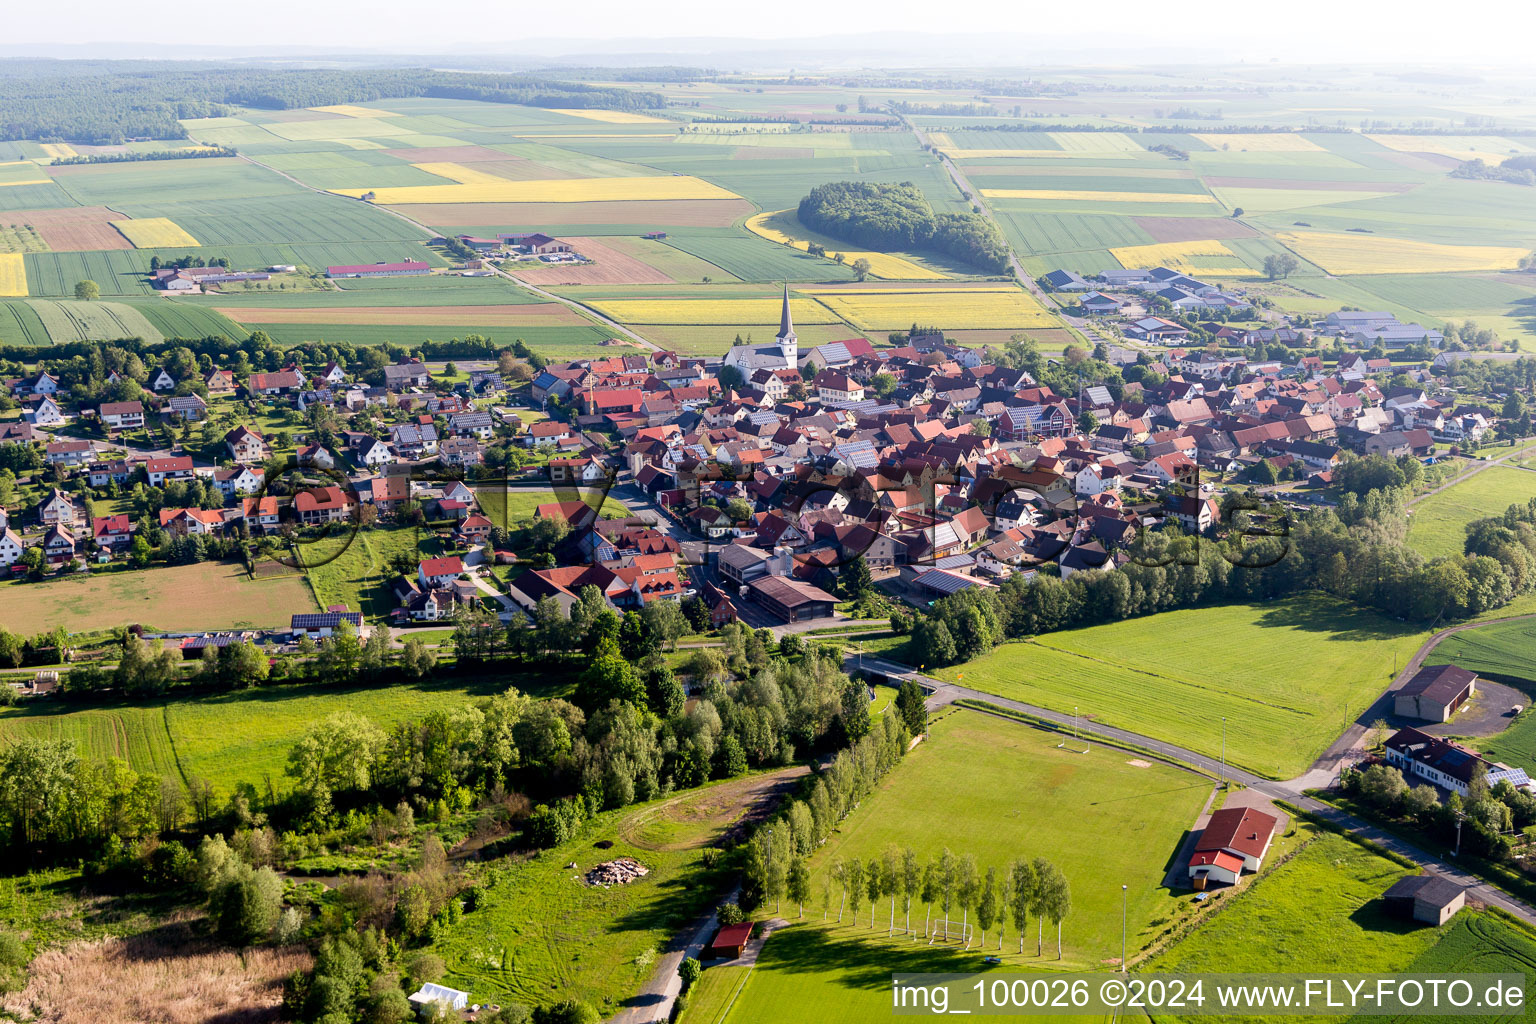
[1288,676]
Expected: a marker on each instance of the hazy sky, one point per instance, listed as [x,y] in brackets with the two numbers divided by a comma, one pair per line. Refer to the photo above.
[1296,31]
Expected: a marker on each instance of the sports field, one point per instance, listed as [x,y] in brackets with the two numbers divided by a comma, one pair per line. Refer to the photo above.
[208,595]
[1025,798]
[1287,676]
[1438,524]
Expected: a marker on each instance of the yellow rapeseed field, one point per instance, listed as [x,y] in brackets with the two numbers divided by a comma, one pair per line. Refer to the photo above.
[1096,142]
[154,233]
[460,173]
[782,228]
[711,312]
[1262,142]
[1208,258]
[13,274]
[348,110]
[59,149]
[1373,254]
[1000,307]
[1033,154]
[1085,195]
[610,116]
[551,190]
[1491,149]
[27,181]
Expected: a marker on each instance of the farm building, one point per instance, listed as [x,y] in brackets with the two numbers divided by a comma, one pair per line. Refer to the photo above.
[319,625]
[405,268]
[730,942]
[1431,899]
[790,599]
[1444,763]
[1435,692]
[537,243]
[1234,839]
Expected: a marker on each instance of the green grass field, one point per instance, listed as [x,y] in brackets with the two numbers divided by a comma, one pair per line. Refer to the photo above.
[1025,798]
[1288,676]
[1479,944]
[236,737]
[513,507]
[353,569]
[1438,526]
[1317,912]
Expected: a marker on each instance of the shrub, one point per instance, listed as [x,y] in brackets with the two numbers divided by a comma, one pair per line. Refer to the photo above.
[729,914]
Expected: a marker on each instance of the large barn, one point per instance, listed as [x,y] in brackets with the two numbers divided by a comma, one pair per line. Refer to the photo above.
[1435,692]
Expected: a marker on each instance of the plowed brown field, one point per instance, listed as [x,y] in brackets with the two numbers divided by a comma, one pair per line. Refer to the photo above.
[76,229]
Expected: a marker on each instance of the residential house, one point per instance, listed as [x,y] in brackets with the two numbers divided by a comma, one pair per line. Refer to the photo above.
[241,481]
[408,373]
[122,415]
[178,467]
[414,440]
[58,544]
[439,572]
[246,445]
[57,508]
[11,547]
[329,504]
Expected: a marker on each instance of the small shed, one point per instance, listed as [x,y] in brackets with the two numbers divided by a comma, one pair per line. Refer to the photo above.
[430,993]
[730,941]
[1432,899]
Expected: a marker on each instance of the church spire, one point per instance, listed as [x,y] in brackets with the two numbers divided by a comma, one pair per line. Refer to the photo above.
[786,326]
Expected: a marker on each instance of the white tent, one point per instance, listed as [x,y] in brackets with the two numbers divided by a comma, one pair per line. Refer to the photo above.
[433,993]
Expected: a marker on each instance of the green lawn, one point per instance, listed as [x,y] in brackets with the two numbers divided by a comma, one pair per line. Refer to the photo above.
[1320,911]
[353,568]
[713,994]
[1024,797]
[1438,524]
[513,507]
[1288,676]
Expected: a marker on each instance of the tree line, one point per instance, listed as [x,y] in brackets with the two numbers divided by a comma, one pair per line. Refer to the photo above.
[946,883]
[883,217]
[104,102]
[1357,551]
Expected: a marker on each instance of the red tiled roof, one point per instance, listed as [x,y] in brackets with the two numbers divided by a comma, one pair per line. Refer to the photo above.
[1238,828]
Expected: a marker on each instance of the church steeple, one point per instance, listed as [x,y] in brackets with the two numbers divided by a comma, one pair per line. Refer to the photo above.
[788,342]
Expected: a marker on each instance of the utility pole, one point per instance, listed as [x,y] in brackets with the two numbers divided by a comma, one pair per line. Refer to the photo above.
[1460,817]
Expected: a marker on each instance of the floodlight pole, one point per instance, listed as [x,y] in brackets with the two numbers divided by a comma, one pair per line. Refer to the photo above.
[1460,817]
[1223,751]
[1123,899]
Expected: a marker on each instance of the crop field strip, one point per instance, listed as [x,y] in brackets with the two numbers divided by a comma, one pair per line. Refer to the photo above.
[73,229]
[72,321]
[560,190]
[517,315]
[1371,254]
[785,229]
[154,233]
[1211,258]
[13,274]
